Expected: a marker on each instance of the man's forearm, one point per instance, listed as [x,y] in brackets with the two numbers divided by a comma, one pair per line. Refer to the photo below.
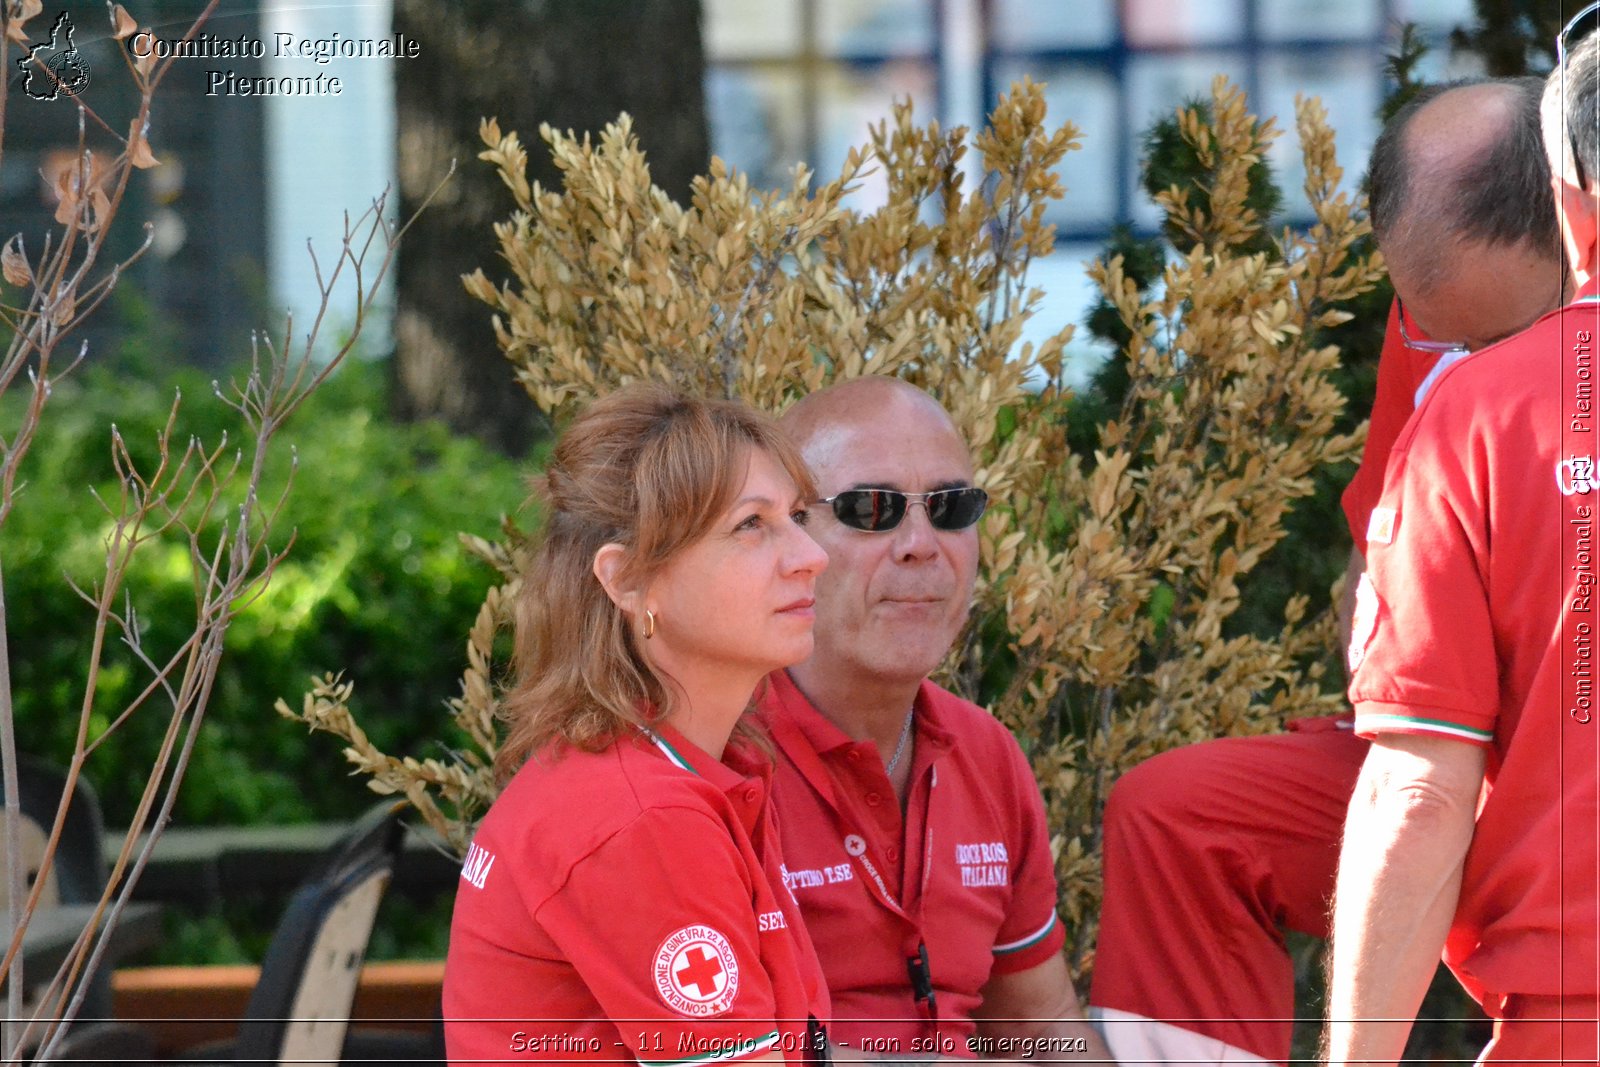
[1406,837]
[1035,1014]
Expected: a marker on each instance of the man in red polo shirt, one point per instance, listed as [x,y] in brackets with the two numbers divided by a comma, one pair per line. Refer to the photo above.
[913,833]
[1473,826]
[1213,850]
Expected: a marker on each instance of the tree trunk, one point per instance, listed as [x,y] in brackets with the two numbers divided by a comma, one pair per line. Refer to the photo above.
[572,63]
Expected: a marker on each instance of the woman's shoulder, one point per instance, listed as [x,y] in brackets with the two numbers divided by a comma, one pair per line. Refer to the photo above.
[568,800]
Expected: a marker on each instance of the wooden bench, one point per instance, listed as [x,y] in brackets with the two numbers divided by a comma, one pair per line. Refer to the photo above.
[185,1006]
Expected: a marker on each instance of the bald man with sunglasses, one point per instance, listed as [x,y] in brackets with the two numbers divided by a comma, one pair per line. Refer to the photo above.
[914,836]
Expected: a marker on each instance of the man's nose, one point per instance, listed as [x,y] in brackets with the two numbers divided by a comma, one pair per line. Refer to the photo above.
[915,537]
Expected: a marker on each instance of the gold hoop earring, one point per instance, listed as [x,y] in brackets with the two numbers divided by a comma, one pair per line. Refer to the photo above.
[649,624]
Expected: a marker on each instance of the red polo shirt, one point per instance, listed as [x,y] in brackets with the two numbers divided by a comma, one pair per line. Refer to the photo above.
[1402,373]
[968,873]
[1479,624]
[629,905]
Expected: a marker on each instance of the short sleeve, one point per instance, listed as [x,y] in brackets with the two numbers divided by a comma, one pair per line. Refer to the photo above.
[1400,372]
[1031,932]
[1422,650]
[660,924]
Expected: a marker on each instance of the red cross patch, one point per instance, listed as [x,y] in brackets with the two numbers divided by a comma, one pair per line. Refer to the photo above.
[696,972]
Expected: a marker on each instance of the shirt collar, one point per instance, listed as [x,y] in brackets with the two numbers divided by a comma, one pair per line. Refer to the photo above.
[787,706]
[738,765]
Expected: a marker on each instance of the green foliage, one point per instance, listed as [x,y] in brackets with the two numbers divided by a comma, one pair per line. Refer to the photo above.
[1401,67]
[1172,161]
[376,585]
[1514,36]
[406,928]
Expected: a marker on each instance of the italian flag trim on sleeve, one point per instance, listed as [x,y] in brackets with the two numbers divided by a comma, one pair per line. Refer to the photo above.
[1032,939]
[1417,725]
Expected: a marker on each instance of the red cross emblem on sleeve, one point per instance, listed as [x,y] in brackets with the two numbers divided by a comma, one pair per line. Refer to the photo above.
[696,972]
[703,971]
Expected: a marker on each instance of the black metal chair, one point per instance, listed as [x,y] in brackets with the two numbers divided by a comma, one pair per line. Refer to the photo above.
[300,1009]
[79,871]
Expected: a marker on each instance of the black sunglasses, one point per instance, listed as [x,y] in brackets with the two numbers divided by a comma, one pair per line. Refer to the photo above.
[1578,27]
[880,510]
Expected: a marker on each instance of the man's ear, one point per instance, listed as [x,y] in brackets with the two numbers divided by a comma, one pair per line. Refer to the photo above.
[1580,226]
[609,563]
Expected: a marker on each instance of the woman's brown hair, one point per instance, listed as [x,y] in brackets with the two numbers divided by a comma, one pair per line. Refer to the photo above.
[649,468]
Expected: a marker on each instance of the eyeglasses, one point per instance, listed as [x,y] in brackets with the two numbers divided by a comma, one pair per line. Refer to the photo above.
[1423,345]
[1562,39]
[881,510]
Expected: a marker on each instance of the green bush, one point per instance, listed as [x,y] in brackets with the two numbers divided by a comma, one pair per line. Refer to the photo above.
[375,585]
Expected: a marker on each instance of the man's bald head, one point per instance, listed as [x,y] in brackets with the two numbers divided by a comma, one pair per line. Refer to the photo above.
[1461,168]
[1463,211]
[892,600]
[817,421]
